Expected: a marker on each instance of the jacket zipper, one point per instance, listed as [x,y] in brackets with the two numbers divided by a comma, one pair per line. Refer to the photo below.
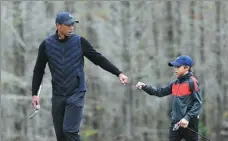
[177,100]
[178,89]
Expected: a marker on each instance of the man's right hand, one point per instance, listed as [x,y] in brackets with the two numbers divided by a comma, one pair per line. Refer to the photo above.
[123,78]
[139,85]
[36,102]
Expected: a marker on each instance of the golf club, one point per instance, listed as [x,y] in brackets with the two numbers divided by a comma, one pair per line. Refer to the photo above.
[177,125]
[37,108]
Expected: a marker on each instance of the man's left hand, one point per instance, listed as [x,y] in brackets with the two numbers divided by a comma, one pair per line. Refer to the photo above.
[183,123]
[123,78]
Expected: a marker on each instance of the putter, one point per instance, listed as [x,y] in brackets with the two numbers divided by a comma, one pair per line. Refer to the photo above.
[37,109]
[177,126]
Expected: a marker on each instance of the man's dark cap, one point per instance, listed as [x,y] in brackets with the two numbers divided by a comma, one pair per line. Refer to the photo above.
[65,18]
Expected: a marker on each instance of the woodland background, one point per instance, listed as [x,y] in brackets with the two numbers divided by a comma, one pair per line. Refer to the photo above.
[140,38]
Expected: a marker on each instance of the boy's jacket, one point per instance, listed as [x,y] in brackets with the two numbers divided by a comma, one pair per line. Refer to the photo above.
[186,100]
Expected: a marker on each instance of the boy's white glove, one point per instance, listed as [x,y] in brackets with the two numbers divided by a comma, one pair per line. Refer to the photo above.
[183,123]
[139,85]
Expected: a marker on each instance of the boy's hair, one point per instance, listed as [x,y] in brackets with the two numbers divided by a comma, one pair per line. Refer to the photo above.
[189,68]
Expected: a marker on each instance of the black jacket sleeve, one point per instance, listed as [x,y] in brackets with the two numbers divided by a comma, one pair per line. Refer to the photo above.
[197,102]
[98,59]
[160,92]
[39,68]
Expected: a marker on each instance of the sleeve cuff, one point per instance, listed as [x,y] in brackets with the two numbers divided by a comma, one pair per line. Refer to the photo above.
[187,117]
[144,87]
[117,74]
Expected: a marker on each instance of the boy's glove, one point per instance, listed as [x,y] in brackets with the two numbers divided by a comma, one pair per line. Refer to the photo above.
[184,123]
[139,85]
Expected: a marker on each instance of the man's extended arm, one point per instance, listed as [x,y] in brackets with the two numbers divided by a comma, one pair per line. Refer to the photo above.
[97,58]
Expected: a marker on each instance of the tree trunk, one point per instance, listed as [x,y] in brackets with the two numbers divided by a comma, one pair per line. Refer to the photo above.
[128,99]
[19,66]
[219,71]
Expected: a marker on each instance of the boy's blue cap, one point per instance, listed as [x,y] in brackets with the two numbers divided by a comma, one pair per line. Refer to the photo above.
[65,18]
[182,60]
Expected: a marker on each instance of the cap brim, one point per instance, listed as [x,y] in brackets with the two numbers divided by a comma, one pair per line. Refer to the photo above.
[174,64]
[70,22]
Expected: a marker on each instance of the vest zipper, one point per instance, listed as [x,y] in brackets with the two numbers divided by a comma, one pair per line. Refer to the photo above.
[63,55]
[64,89]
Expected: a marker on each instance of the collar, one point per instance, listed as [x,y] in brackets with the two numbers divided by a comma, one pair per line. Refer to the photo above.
[59,38]
[186,76]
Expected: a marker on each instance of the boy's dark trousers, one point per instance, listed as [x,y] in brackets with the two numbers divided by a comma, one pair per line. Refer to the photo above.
[67,116]
[185,133]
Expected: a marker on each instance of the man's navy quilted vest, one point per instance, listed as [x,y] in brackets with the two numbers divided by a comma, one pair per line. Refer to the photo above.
[66,63]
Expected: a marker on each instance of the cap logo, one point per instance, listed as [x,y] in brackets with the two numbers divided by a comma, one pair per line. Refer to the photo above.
[70,15]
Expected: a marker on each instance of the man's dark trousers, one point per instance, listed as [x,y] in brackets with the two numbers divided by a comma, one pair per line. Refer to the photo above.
[185,133]
[67,116]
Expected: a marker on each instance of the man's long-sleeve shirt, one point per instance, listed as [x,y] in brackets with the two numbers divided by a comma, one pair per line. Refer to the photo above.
[88,51]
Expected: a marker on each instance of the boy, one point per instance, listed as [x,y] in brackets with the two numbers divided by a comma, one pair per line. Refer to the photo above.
[186,100]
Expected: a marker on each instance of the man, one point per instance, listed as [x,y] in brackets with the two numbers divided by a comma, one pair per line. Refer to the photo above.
[64,52]
[186,99]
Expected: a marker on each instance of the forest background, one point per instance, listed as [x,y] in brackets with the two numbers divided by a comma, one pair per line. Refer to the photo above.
[140,38]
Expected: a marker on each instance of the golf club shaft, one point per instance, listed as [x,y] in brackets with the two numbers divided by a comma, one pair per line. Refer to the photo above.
[198,134]
[38,94]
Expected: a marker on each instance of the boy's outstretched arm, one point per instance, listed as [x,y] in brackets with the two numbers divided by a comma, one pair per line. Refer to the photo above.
[160,92]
